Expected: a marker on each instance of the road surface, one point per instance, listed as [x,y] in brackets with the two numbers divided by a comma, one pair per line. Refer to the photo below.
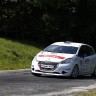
[23,83]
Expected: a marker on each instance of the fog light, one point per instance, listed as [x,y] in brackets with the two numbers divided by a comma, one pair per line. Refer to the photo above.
[33,69]
[63,72]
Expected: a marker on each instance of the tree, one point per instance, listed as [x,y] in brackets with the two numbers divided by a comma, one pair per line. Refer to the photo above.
[47,21]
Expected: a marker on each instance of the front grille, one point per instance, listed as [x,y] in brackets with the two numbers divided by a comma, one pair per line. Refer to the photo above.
[46,64]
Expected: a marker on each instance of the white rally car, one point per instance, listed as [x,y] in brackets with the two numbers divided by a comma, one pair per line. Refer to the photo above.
[65,59]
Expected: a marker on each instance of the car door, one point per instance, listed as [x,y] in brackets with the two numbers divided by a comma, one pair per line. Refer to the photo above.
[91,56]
[85,59]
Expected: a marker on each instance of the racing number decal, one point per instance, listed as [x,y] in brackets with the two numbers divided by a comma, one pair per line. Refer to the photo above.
[53,56]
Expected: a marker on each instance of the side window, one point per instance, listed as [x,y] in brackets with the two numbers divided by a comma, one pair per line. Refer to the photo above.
[81,51]
[89,50]
[85,51]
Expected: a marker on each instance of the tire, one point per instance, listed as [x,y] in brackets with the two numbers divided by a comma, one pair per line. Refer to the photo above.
[36,74]
[75,72]
[94,73]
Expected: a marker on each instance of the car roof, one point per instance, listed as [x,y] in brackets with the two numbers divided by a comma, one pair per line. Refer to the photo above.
[68,43]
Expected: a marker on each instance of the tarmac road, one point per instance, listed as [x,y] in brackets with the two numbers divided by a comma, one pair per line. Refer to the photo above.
[23,83]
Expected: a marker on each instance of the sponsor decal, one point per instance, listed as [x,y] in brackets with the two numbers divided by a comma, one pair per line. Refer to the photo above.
[87,60]
[53,56]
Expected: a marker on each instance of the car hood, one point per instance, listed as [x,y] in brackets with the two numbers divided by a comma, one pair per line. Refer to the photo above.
[52,57]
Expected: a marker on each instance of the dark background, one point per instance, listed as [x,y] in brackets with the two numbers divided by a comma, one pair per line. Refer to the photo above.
[48,21]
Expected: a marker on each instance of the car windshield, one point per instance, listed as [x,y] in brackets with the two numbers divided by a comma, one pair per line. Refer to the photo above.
[61,49]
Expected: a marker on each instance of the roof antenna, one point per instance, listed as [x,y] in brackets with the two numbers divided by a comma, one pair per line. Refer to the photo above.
[67,41]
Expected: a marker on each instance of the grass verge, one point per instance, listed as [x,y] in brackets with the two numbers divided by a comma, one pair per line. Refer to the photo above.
[14,55]
[87,93]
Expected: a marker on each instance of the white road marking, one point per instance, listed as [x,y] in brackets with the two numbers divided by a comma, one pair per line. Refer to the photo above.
[68,92]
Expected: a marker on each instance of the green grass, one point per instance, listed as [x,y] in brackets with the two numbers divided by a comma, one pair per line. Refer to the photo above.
[14,55]
[87,93]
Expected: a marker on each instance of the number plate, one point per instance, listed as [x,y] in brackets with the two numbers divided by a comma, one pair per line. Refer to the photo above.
[47,66]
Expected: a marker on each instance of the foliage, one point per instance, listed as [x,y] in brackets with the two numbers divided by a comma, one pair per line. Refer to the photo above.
[14,55]
[37,20]
[91,92]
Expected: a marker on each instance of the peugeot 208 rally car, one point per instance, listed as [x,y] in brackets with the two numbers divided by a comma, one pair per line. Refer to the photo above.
[65,59]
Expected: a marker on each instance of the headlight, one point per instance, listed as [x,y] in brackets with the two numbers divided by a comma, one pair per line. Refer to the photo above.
[35,59]
[69,60]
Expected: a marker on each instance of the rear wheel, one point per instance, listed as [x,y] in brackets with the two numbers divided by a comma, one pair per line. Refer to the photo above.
[36,74]
[75,72]
[94,73]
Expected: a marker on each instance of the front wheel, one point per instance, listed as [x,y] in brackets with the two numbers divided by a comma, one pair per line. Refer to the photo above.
[36,74]
[75,72]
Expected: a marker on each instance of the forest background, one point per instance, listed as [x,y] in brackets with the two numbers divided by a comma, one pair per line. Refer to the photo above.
[47,21]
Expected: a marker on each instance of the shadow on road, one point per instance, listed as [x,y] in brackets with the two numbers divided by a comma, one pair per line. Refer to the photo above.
[78,78]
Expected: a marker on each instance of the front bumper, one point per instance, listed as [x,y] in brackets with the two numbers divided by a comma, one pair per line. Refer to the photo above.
[61,70]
